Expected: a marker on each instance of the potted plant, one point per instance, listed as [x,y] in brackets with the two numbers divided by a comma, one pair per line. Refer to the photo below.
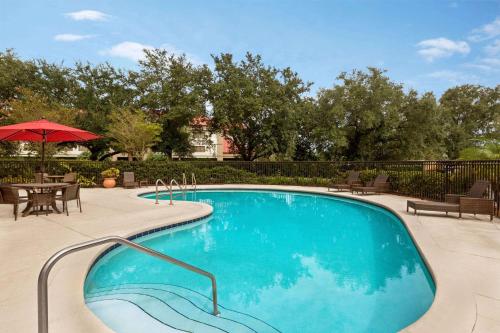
[110,176]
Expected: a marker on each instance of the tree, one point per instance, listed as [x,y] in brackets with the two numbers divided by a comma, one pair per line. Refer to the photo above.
[33,106]
[359,117]
[100,89]
[174,92]
[420,132]
[255,106]
[306,148]
[489,150]
[132,133]
[470,111]
[325,125]
[54,82]
[14,74]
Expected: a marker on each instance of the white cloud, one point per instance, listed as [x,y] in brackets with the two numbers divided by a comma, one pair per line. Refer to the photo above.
[492,62]
[493,49]
[129,50]
[432,49]
[487,64]
[71,37]
[88,15]
[453,77]
[135,51]
[190,57]
[478,65]
[487,31]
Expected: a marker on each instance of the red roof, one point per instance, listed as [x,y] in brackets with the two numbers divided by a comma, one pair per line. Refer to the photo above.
[200,121]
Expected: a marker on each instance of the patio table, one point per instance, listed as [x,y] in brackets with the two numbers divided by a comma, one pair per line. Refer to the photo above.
[41,194]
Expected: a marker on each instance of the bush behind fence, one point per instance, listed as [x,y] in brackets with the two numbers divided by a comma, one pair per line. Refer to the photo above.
[423,179]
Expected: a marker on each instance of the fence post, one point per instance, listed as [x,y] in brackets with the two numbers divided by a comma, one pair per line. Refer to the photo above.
[446,179]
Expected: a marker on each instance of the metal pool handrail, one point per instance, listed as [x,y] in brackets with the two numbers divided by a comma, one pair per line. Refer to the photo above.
[171,191]
[43,298]
[156,188]
[193,181]
[184,181]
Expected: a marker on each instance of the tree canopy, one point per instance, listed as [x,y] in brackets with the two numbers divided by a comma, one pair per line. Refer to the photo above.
[173,92]
[255,106]
[132,133]
[265,113]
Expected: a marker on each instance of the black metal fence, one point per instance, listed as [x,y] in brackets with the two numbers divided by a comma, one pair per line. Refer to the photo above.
[422,179]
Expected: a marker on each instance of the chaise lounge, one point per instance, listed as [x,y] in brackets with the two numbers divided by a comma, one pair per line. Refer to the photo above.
[379,185]
[471,203]
[351,180]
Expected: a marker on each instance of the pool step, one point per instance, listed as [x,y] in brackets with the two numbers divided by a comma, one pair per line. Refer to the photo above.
[117,315]
[182,308]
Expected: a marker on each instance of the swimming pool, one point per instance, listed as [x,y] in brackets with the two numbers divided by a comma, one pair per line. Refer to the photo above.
[284,262]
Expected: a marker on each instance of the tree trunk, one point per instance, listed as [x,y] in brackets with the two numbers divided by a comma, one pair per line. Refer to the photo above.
[105,156]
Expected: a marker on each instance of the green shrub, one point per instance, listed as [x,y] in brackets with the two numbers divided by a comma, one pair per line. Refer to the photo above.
[419,179]
[110,173]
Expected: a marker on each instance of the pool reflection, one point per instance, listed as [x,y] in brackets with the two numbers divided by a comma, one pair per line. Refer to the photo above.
[300,262]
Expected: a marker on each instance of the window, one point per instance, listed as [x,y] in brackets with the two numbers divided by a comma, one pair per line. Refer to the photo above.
[199,136]
[200,149]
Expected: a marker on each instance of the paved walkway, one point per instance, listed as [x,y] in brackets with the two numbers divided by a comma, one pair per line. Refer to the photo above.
[464,256]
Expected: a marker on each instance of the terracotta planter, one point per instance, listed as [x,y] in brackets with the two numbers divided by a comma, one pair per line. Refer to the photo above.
[109,182]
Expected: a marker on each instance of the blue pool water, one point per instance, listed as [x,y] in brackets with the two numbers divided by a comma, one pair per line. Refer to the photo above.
[284,262]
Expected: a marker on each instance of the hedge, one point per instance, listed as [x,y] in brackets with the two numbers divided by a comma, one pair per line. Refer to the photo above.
[425,179]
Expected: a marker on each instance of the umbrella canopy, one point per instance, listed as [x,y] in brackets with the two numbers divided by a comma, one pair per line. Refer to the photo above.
[44,131]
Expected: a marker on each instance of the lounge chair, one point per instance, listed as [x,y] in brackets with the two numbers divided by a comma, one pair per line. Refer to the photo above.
[10,196]
[471,203]
[351,180]
[69,193]
[378,185]
[474,201]
[477,190]
[432,206]
[70,178]
[129,180]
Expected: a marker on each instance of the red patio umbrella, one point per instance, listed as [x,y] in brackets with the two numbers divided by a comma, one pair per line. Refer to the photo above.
[44,131]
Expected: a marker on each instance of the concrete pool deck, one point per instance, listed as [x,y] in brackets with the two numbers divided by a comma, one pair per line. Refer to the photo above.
[463,255]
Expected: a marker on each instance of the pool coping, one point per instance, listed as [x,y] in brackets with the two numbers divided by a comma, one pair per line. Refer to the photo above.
[438,317]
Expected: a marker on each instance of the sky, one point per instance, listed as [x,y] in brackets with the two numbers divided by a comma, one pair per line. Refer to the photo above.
[428,45]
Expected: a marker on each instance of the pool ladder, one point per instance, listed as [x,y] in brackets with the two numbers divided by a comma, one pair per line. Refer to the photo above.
[183,188]
[193,181]
[43,277]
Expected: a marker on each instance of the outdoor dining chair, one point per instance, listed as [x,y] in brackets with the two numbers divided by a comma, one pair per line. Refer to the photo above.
[70,178]
[10,196]
[70,193]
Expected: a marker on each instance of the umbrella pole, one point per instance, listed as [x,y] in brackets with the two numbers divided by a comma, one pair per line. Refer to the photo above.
[42,167]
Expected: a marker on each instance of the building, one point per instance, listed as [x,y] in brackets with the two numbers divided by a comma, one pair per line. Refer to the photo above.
[208,145]
[69,153]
